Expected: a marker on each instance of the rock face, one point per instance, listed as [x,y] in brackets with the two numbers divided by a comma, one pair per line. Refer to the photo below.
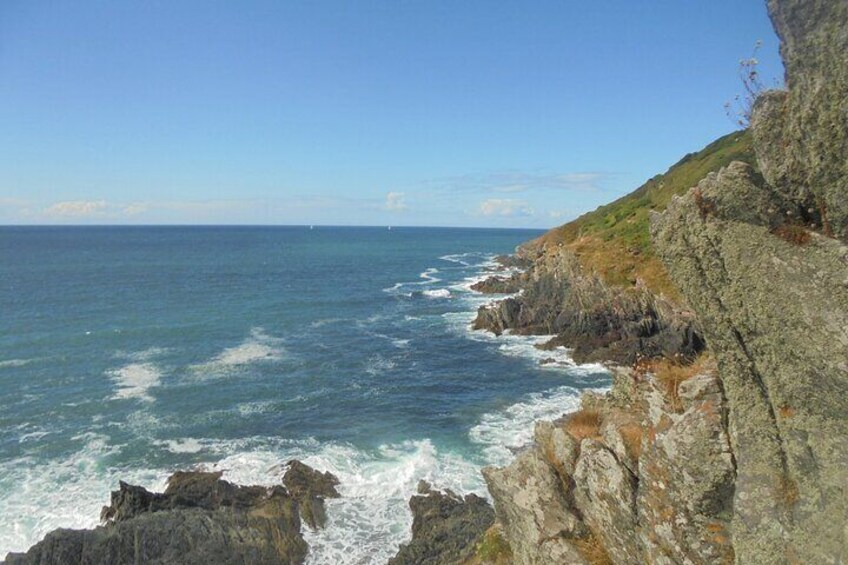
[310,487]
[747,462]
[801,134]
[199,519]
[445,527]
[772,296]
[600,322]
[651,483]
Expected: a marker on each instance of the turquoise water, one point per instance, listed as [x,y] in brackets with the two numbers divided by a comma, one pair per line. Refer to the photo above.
[131,352]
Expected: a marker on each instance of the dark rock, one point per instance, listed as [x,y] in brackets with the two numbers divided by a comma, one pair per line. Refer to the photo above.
[600,323]
[310,487]
[199,519]
[498,285]
[445,528]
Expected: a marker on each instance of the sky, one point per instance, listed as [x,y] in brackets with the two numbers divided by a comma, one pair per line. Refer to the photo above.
[398,112]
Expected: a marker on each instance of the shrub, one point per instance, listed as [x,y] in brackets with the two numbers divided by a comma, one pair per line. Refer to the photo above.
[792,233]
[631,434]
[584,423]
[739,110]
[592,550]
[493,548]
[669,373]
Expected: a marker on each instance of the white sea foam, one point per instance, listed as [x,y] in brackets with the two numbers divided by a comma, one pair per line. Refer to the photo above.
[135,380]
[8,363]
[504,432]
[437,293]
[378,364]
[182,445]
[69,492]
[427,275]
[258,348]
[365,526]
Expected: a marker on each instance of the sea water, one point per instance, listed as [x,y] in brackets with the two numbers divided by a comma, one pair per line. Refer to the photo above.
[127,353]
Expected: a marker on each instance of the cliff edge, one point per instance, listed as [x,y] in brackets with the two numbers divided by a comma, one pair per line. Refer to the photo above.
[742,454]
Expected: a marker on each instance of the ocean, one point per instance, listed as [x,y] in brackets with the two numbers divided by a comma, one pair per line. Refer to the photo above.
[131,352]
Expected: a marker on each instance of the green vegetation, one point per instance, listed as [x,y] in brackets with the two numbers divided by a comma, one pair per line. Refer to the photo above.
[614,240]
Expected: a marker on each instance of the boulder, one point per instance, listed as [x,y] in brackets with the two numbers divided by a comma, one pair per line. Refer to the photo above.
[310,488]
[199,519]
[445,527]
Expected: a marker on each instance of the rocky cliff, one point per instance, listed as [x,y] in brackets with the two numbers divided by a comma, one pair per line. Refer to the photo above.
[199,519]
[741,456]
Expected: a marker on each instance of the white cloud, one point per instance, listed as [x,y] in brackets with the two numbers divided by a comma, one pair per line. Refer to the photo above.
[395,202]
[519,181]
[77,208]
[505,208]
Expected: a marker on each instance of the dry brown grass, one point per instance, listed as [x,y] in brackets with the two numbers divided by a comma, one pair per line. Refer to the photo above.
[584,423]
[787,491]
[631,434]
[792,233]
[592,550]
[670,373]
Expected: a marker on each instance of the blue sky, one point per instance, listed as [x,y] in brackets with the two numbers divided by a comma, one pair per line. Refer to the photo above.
[399,112]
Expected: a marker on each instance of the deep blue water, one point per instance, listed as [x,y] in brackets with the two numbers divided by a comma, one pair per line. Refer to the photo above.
[131,352]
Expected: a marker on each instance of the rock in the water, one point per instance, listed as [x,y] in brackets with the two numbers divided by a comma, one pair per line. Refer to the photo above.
[199,519]
[445,527]
[310,487]
[498,285]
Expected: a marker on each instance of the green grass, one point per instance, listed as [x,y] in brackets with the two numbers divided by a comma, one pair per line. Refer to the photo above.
[614,239]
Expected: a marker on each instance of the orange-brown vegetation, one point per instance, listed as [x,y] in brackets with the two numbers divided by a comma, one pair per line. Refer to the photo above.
[792,233]
[592,550]
[584,423]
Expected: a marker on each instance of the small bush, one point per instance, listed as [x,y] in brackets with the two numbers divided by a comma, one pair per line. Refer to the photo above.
[705,206]
[493,548]
[670,373]
[792,233]
[584,423]
[592,550]
[631,434]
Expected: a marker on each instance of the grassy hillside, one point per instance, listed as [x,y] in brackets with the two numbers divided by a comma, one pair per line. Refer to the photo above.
[614,240]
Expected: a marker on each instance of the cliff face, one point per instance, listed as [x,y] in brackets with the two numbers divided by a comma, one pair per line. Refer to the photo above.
[772,296]
[745,461]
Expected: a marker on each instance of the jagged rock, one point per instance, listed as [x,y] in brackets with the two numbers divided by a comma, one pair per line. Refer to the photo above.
[310,487]
[605,492]
[199,519]
[801,135]
[445,527]
[775,309]
[531,506]
[686,477]
[498,285]
[598,322]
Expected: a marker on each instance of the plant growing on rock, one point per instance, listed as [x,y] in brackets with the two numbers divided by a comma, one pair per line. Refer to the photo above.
[739,109]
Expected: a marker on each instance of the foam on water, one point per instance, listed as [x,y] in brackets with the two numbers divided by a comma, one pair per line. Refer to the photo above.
[437,293]
[15,363]
[134,380]
[258,348]
[37,498]
[504,432]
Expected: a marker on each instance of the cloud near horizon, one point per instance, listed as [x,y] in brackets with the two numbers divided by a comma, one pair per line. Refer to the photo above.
[395,202]
[77,208]
[522,181]
[505,208]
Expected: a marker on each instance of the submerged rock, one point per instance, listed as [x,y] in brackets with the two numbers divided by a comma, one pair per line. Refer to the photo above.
[199,519]
[445,527]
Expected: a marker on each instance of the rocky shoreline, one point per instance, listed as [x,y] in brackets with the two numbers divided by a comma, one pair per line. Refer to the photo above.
[724,437]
